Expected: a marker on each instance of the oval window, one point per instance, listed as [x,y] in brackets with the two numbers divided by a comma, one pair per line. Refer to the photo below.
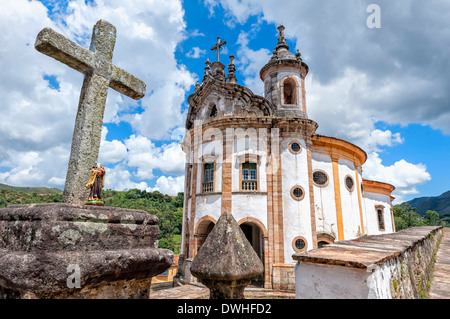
[295,147]
[320,178]
[299,244]
[297,192]
[349,183]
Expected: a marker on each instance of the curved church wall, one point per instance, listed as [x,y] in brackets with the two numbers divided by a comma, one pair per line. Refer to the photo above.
[351,213]
[324,196]
[372,201]
[296,213]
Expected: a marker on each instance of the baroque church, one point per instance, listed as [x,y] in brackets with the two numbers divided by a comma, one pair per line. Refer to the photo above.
[260,158]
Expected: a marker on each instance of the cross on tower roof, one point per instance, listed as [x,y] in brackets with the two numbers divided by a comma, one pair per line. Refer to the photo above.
[100,74]
[218,47]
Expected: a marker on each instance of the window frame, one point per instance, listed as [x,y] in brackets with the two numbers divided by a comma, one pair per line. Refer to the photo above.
[295,247]
[380,208]
[345,183]
[322,171]
[290,147]
[207,160]
[292,193]
[245,159]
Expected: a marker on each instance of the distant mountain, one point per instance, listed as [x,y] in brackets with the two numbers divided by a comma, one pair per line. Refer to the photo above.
[39,190]
[440,204]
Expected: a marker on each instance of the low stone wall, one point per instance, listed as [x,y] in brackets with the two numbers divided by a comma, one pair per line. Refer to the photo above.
[283,277]
[397,265]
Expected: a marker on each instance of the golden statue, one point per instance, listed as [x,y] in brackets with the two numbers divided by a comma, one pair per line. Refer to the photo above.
[96,183]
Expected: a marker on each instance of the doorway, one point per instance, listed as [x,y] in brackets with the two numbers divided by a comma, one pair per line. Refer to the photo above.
[254,235]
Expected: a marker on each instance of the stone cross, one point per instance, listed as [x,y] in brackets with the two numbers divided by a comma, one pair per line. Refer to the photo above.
[218,46]
[100,74]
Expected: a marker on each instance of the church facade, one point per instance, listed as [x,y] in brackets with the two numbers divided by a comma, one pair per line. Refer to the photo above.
[260,158]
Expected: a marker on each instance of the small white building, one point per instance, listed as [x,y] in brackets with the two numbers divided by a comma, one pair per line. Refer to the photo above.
[290,189]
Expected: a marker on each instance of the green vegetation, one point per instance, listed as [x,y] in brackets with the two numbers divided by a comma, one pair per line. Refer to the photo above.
[30,190]
[12,197]
[168,209]
[405,216]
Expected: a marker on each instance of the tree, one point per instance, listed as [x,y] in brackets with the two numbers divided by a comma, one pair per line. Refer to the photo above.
[406,216]
[3,203]
[432,218]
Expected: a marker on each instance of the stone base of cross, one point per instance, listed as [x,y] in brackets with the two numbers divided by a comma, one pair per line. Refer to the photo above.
[100,74]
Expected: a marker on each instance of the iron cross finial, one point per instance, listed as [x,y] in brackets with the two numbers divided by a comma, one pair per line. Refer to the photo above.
[217,47]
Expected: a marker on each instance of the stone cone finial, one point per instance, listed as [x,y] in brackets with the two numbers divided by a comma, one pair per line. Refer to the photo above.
[226,261]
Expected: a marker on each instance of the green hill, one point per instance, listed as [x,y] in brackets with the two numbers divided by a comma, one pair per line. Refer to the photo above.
[440,204]
[30,190]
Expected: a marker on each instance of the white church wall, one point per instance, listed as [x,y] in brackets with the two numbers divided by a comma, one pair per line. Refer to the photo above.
[349,201]
[371,200]
[324,197]
[249,144]
[316,281]
[250,205]
[296,213]
[213,151]
[208,205]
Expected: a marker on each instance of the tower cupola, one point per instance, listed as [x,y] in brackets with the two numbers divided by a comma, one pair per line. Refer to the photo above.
[283,78]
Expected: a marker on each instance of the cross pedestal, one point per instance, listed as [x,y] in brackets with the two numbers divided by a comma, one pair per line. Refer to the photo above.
[100,74]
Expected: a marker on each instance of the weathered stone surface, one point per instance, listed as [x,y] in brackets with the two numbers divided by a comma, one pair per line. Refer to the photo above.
[226,262]
[100,73]
[115,250]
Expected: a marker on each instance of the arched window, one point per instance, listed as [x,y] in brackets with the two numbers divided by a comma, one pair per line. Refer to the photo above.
[289,91]
[213,112]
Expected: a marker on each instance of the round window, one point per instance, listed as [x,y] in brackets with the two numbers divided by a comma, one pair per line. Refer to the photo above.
[295,147]
[320,178]
[349,183]
[297,192]
[299,244]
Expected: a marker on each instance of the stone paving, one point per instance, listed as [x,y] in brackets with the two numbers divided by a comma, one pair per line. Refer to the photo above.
[440,285]
[197,291]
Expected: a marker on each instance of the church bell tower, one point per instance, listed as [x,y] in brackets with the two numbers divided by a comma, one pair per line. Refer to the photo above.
[284,80]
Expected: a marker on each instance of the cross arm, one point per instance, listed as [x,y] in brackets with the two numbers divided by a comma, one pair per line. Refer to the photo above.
[218,46]
[126,83]
[60,48]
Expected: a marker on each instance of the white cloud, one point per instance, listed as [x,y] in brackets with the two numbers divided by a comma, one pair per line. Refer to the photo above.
[111,151]
[36,121]
[403,175]
[195,53]
[169,185]
[250,61]
[120,178]
[146,157]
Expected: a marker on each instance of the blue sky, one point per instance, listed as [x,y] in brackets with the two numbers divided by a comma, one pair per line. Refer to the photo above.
[384,89]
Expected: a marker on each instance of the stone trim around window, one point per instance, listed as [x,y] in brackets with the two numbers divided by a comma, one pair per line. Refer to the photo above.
[295,192]
[299,244]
